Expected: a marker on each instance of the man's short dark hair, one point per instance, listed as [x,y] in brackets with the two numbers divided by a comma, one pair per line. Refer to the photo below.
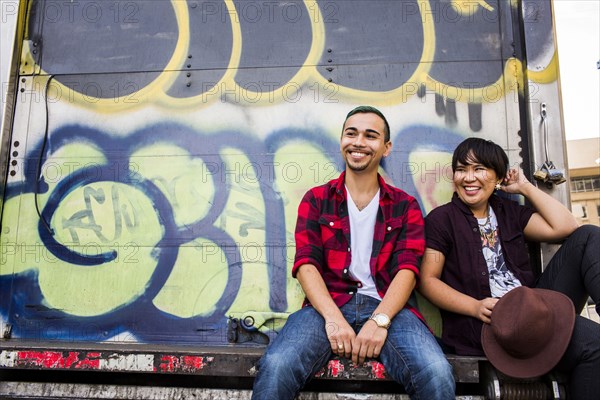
[484,152]
[370,110]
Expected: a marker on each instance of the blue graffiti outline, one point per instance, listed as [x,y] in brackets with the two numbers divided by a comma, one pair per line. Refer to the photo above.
[141,317]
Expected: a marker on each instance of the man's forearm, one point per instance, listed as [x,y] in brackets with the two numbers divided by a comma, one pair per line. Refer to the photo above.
[398,293]
[316,292]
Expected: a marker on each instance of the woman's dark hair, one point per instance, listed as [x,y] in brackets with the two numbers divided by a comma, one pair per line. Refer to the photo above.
[371,110]
[485,152]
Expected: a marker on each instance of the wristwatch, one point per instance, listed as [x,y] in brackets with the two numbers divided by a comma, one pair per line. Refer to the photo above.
[382,320]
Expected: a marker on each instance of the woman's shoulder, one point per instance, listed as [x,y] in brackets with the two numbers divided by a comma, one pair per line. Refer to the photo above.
[440,212]
[439,224]
[509,204]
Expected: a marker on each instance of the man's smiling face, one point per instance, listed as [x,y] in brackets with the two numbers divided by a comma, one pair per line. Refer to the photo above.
[363,142]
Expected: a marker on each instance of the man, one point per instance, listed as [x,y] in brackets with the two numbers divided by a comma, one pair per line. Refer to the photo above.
[359,293]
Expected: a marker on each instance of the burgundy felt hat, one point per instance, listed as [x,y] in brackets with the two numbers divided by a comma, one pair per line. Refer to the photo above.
[529,332]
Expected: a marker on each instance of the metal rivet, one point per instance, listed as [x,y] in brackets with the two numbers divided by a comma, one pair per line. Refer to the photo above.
[17,143]
[188,74]
[188,84]
[248,321]
[331,224]
[329,50]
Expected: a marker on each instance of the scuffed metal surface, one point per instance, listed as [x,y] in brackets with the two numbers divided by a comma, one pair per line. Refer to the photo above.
[103,361]
[210,362]
[183,363]
[344,368]
[33,390]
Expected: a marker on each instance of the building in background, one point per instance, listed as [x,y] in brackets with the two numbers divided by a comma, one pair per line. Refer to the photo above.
[584,173]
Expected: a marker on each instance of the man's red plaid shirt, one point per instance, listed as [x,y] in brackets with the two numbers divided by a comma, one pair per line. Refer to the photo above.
[323,238]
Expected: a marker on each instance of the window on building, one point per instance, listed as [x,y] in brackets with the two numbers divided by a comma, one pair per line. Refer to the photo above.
[585,184]
[579,210]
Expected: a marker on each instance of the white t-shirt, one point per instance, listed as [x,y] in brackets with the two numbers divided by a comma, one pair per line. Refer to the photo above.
[501,279]
[362,228]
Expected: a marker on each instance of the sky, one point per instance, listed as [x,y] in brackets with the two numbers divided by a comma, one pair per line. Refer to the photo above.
[578,37]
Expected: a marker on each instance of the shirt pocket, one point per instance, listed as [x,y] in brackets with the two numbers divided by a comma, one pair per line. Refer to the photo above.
[332,234]
[515,251]
[393,229]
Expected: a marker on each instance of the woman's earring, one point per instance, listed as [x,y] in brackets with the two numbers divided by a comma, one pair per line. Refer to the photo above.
[498,186]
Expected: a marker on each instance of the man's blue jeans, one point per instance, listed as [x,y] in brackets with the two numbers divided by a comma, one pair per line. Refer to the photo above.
[410,355]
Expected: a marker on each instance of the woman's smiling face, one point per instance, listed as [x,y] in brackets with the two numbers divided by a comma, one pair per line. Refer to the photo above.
[475,183]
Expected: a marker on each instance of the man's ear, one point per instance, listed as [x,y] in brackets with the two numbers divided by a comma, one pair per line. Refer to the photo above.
[388,148]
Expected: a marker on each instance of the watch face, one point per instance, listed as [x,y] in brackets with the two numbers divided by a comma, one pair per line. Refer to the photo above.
[382,320]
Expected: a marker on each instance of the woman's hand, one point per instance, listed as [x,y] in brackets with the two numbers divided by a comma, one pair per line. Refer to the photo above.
[552,221]
[515,181]
[484,309]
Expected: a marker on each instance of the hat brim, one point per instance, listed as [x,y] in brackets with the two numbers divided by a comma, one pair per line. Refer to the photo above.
[564,317]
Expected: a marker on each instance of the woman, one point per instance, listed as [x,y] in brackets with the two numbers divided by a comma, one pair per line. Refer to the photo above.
[476,253]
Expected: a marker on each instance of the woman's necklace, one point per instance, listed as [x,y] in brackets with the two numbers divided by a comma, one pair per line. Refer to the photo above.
[487,221]
[486,231]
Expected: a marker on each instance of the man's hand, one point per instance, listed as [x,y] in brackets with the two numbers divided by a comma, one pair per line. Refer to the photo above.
[369,342]
[341,337]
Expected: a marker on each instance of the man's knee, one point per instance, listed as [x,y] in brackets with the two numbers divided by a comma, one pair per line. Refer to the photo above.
[273,362]
[441,369]
[436,380]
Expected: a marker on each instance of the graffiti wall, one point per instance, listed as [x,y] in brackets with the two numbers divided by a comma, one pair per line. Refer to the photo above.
[160,148]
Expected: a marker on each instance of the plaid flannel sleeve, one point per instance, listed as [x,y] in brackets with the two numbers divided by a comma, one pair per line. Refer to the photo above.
[410,246]
[309,249]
